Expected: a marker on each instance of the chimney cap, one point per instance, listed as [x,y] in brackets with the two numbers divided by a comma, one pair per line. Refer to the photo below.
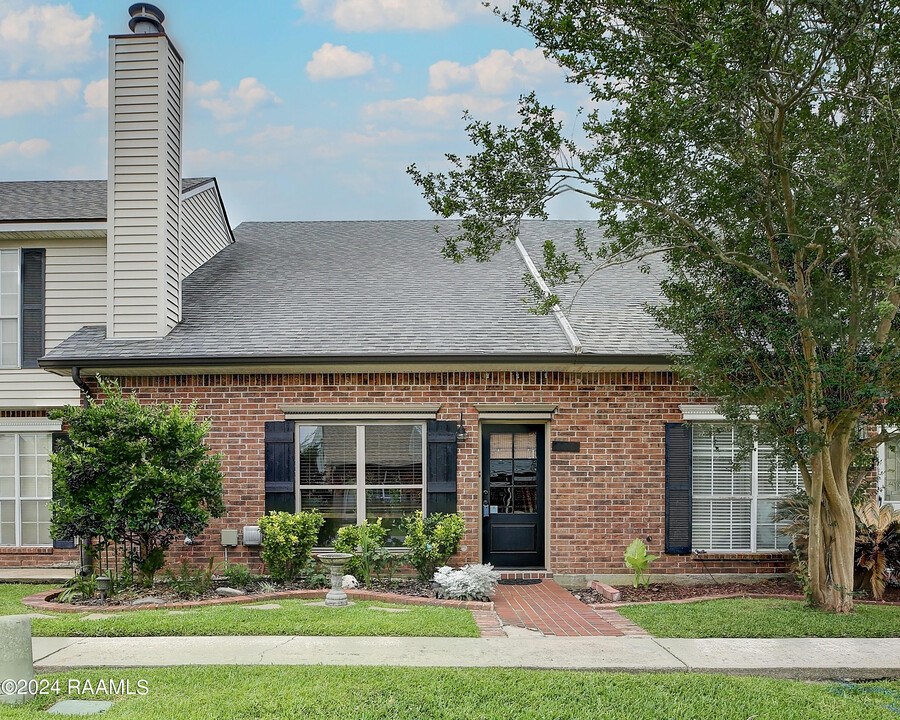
[145,18]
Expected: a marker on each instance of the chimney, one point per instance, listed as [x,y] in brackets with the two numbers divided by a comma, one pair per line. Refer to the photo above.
[144,186]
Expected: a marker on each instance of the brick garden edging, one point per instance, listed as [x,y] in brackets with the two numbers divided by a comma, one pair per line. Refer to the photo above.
[43,601]
[729,596]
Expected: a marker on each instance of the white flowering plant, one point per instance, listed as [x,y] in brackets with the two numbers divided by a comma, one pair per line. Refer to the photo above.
[472,582]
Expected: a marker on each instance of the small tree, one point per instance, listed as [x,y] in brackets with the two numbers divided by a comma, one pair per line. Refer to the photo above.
[135,474]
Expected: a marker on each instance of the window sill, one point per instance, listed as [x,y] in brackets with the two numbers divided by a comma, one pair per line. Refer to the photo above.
[726,556]
[33,550]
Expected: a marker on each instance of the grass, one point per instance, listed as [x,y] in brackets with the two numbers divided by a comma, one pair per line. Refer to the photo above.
[471,694]
[296,617]
[762,618]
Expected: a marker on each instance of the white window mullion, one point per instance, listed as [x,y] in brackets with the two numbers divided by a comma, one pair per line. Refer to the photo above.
[360,474]
[18,489]
[754,493]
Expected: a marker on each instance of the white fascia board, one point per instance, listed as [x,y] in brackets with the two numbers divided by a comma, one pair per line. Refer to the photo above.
[98,226]
[197,189]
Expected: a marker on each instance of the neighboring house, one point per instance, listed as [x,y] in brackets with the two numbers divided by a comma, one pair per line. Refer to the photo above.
[347,367]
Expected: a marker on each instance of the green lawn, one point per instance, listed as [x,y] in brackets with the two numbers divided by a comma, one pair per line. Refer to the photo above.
[470,694]
[746,618]
[296,617]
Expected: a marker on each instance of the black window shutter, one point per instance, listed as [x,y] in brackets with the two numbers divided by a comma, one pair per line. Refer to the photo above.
[280,484]
[678,489]
[440,481]
[32,307]
[56,440]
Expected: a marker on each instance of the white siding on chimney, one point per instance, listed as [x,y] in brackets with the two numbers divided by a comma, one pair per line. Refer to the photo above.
[204,231]
[144,186]
[75,295]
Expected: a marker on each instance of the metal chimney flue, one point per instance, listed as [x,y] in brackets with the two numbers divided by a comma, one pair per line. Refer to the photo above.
[146,19]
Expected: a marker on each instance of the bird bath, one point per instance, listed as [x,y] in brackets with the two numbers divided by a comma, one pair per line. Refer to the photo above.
[335,562]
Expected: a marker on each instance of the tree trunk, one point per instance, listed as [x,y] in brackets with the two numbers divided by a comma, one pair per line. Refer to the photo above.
[832,538]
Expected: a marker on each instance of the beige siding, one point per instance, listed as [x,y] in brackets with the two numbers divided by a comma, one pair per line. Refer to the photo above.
[75,296]
[203,230]
[145,186]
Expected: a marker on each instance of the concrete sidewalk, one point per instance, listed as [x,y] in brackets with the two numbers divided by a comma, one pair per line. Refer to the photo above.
[805,658]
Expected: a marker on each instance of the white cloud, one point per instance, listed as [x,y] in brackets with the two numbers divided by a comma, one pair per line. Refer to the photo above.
[496,73]
[432,108]
[28,148]
[330,62]
[378,15]
[242,100]
[46,37]
[18,97]
[96,94]
[273,133]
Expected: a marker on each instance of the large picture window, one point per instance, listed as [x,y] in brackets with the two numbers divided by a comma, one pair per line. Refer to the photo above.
[350,472]
[734,496]
[25,489]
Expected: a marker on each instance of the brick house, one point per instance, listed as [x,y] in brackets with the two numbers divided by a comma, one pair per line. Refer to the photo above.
[347,367]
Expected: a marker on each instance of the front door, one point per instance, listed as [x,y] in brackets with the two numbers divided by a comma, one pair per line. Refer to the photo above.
[512,497]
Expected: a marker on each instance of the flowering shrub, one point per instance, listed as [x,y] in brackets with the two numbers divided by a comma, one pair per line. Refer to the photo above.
[473,582]
[432,540]
[288,540]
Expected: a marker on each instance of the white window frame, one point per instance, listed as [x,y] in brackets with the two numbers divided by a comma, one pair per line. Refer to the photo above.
[754,498]
[18,316]
[17,486]
[881,472]
[360,485]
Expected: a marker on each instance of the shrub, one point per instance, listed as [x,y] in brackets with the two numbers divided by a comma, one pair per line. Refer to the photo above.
[79,588]
[366,542]
[472,582]
[877,546]
[189,581]
[288,540]
[432,540]
[638,560]
[140,475]
[237,575]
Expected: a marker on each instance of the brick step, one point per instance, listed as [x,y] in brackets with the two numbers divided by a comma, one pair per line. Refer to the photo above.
[525,574]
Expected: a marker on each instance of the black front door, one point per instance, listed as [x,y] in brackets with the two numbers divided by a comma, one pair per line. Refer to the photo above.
[512,497]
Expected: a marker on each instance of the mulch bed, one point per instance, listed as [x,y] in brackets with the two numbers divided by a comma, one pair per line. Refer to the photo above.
[667,592]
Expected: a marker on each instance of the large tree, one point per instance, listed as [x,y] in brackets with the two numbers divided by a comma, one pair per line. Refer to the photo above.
[754,146]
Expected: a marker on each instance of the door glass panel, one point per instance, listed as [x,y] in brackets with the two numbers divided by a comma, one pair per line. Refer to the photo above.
[513,473]
[393,455]
[338,507]
[327,455]
[892,472]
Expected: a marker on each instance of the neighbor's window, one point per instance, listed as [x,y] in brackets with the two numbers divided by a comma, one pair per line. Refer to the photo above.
[25,489]
[734,497]
[351,472]
[892,472]
[9,308]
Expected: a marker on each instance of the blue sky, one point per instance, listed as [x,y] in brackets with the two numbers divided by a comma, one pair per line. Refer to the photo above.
[303,109]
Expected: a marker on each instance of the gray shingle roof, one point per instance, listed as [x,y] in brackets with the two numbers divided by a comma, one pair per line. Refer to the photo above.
[325,290]
[60,200]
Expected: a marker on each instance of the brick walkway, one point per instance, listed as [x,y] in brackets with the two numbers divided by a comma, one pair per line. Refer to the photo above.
[549,608]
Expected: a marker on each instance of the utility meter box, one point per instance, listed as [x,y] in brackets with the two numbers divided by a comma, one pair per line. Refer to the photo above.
[229,538]
[252,535]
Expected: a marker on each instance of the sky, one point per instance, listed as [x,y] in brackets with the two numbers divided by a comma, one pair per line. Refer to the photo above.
[302,109]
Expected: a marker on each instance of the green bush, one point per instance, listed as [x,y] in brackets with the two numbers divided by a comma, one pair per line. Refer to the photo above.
[432,540]
[366,542]
[237,575]
[139,475]
[288,540]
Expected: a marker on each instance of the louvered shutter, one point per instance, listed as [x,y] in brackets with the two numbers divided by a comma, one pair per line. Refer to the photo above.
[32,307]
[678,489]
[280,484]
[440,484]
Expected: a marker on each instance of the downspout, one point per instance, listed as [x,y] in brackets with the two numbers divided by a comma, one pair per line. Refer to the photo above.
[79,381]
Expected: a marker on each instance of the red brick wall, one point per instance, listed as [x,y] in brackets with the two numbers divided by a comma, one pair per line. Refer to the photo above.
[600,499]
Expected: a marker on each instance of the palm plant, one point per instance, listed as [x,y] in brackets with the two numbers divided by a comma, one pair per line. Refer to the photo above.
[877,545]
